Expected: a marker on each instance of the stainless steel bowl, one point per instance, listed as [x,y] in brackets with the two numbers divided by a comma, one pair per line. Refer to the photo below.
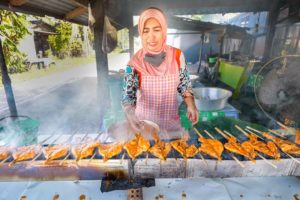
[211,99]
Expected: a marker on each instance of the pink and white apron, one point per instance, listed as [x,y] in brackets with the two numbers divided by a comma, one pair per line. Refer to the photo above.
[157,100]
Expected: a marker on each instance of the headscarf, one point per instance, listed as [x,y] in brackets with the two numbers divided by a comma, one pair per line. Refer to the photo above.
[138,61]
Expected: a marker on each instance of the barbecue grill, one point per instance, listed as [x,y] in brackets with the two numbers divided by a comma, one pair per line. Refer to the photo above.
[146,165]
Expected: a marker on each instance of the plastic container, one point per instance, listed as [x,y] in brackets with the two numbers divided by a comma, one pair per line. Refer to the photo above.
[18,131]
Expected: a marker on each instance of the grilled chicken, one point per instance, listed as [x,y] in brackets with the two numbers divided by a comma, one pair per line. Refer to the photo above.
[212,147]
[183,148]
[160,149]
[26,153]
[84,150]
[108,151]
[250,149]
[285,145]
[4,152]
[56,151]
[269,149]
[191,151]
[136,146]
[237,148]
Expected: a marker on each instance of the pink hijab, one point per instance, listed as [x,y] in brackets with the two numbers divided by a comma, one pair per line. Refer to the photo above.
[138,62]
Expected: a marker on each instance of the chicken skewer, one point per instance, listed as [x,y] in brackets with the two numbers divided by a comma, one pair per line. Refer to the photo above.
[181,146]
[281,139]
[251,154]
[85,149]
[21,151]
[260,132]
[58,150]
[160,149]
[273,151]
[62,161]
[231,155]
[209,146]
[137,146]
[4,152]
[264,134]
[268,148]
[38,155]
[109,150]
[252,146]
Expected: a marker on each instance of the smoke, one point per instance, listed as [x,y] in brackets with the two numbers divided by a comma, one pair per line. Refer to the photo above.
[73,107]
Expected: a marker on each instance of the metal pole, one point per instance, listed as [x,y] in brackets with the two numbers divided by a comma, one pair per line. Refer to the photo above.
[272,19]
[98,12]
[131,29]
[200,53]
[7,85]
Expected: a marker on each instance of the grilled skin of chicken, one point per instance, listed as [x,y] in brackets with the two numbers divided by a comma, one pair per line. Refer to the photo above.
[4,152]
[211,147]
[268,148]
[26,152]
[56,151]
[84,150]
[285,145]
[137,146]
[237,148]
[108,151]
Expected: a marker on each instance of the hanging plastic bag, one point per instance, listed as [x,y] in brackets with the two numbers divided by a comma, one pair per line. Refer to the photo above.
[109,41]
[91,19]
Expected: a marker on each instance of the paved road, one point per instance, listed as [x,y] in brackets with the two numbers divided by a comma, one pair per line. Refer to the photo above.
[29,90]
[64,101]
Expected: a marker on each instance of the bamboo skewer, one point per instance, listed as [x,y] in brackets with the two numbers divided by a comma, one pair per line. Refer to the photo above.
[38,155]
[277,134]
[258,154]
[93,156]
[272,131]
[289,155]
[123,156]
[201,156]
[260,132]
[68,139]
[210,135]
[233,156]
[62,161]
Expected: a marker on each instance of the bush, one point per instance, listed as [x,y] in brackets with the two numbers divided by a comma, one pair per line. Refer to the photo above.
[60,43]
[76,48]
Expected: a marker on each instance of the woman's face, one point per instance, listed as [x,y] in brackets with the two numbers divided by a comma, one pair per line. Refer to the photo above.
[152,37]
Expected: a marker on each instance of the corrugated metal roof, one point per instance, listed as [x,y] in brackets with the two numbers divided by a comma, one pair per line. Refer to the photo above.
[118,10]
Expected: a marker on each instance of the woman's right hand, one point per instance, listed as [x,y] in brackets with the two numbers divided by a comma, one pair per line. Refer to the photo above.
[132,119]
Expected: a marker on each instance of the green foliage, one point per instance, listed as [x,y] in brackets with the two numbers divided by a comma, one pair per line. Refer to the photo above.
[13,29]
[76,48]
[48,53]
[60,43]
[197,17]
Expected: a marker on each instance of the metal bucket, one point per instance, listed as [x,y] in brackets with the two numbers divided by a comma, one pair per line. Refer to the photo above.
[211,99]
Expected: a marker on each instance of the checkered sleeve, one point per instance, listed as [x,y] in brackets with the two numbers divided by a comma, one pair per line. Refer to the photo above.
[130,86]
[185,86]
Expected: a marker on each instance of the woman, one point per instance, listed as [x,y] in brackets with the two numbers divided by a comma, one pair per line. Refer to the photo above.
[154,76]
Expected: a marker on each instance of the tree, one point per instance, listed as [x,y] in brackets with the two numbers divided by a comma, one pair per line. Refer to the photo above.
[60,42]
[13,27]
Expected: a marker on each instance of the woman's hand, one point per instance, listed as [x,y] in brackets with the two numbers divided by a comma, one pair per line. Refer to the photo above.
[132,119]
[191,110]
[192,114]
